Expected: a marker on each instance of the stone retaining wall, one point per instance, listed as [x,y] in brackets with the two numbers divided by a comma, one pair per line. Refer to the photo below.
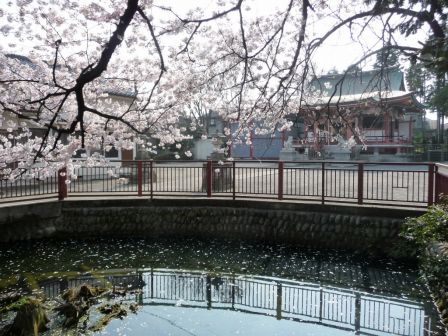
[370,230]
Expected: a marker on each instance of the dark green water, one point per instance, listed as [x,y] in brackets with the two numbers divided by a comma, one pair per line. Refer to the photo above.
[193,287]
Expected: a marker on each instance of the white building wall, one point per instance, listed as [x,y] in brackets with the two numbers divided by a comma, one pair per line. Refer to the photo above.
[403,128]
[202,149]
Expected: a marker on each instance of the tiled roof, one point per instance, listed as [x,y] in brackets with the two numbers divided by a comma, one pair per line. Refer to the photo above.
[359,82]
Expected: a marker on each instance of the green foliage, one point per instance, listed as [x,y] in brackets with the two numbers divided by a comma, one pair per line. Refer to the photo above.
[430,227]
[169,153]
[418,141]
[428,235]
[18,302]
[437,49]
[419,80]
[418,137]
[439,100]
[387,58]
[435,269]
[434,51]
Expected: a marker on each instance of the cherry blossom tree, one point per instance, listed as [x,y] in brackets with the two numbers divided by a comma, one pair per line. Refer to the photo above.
[62,59]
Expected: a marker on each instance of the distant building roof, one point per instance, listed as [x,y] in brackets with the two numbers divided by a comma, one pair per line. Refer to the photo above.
[354,98]
[359,82]
[359,87]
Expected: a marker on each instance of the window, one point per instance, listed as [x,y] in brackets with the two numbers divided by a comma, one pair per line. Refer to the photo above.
[372,122]
[112,153]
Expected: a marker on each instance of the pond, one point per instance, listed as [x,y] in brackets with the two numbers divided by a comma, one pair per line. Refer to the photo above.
[217,287]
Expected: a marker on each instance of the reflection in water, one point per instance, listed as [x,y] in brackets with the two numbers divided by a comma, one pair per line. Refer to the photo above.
[325,293]
[339,308]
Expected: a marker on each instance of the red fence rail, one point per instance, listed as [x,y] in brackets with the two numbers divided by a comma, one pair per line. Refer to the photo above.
[362,183]
[441,181]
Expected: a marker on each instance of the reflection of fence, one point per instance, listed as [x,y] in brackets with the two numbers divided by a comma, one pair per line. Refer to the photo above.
[305,302]
[385,184]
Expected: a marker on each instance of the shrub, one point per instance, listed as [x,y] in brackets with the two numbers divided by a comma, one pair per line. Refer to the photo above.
[428,228]
[428,238]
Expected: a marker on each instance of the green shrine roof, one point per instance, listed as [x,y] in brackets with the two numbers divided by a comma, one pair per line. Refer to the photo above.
[359,82]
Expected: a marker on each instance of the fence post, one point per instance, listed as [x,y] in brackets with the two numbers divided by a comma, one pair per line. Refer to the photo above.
[357,313]
[140,178]
[152,283]
[209,176]
[321,303]
[431,184]
[280,179]
[139,296]
[151,171]
[360,182]
[323,183]
[233,180]
[208,290]
[279,301]
[437,184]
[62,185]
[232,283]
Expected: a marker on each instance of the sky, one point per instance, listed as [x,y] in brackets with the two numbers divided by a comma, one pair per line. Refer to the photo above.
[338,52]
[339,47]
